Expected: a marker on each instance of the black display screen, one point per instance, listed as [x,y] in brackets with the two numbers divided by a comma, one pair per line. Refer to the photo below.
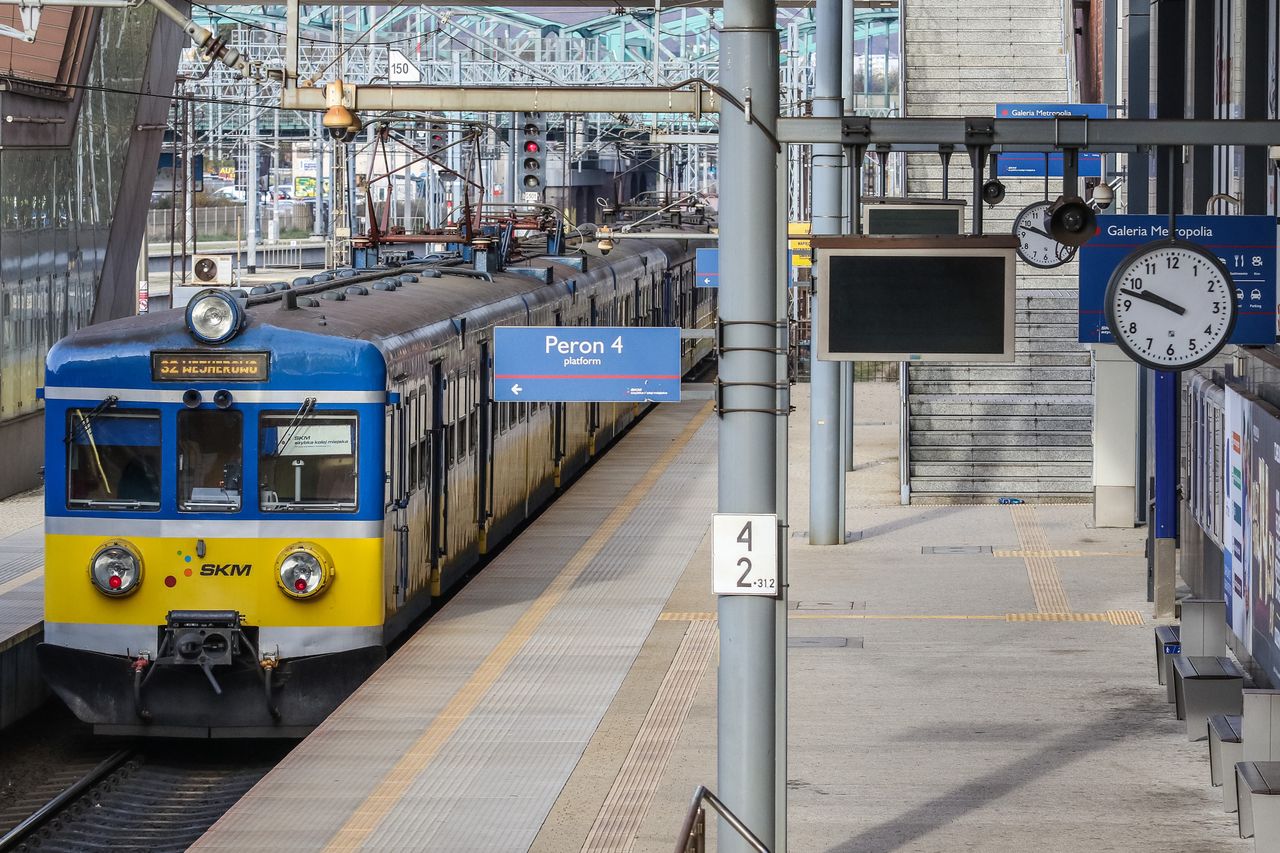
[914,220]
[916,304]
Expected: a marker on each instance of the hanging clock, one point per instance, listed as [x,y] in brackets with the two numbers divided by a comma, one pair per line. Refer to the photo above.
[1171,305]
[1036,245]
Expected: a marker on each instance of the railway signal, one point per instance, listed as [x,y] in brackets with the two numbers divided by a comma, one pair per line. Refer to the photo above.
[437,138]
[532,151]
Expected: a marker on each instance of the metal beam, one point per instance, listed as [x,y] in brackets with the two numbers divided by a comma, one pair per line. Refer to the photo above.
[1030,134]
[512,99]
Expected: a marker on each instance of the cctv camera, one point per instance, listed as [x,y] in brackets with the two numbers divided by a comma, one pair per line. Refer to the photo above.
[993,192]
[1071,221]
[1103,196]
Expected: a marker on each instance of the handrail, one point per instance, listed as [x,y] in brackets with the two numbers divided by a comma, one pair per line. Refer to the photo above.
[689,843]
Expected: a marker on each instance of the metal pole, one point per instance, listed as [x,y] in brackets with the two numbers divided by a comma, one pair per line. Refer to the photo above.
[747,454]
[784,533]
[826,469]
[1165,414]
[847,104]
[251,191]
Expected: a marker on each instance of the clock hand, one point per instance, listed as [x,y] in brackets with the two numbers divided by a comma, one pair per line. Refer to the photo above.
[1148,296]
[1035,230]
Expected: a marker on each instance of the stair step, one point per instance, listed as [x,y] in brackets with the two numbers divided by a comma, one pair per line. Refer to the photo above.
[999,373]
[1012,486]
[971,470]
[1038,389]
[942,438]
[1002,454]
[1012,406]
[1020,423]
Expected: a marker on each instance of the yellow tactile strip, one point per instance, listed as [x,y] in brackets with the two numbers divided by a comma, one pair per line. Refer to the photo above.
[1114,617]
[391,789]
[1042,572]
[1020,553]
[624,808]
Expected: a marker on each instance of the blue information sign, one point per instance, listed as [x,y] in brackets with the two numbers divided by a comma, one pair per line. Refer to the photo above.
[1246,245]
[586,364]
[706,267]
[1031,164]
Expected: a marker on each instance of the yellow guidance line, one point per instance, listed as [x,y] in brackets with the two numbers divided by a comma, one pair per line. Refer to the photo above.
[21,580]
[1042,572]
[365,819]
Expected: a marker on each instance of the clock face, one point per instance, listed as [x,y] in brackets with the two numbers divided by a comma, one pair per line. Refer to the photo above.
[1036,245]
[1171,305]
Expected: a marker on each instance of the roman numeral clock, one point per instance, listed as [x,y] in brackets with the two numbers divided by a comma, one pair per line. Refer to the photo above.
[1171,305]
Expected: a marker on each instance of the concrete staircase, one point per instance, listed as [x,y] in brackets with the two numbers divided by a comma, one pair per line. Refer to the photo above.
[980,432]
[983,431]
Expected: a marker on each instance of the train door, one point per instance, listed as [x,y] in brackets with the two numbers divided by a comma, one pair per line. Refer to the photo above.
[593,409]
[439,488]
[484,449]
[400,494]
[558,426]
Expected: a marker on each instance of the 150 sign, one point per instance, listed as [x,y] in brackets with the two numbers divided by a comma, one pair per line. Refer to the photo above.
[744,554]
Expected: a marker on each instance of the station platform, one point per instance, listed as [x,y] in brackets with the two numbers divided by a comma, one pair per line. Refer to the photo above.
[961,677]
[21,604]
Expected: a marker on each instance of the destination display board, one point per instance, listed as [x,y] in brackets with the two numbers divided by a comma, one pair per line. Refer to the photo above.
[916,298]
[201,366]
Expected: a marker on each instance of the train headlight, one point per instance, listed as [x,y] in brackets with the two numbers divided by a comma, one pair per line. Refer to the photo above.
[303,570]
[214,316]
[116,569]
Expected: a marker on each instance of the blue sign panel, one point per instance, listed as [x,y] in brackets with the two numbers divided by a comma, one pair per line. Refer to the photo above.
[706,267]
[1246,245]
[1031,164]
[586,364]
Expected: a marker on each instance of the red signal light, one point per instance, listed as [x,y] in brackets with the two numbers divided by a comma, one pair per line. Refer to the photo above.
[532,147]
[115,582]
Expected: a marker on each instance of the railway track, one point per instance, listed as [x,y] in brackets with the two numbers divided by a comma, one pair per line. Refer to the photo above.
[150,798]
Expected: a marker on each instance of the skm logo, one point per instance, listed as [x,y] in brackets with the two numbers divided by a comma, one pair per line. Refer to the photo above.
[225,569]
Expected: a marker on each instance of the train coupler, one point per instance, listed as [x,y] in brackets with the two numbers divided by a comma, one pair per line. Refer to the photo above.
[203,638]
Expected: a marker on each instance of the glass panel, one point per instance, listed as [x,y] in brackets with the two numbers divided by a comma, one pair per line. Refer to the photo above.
[307,465]
[113,460]
[210,460]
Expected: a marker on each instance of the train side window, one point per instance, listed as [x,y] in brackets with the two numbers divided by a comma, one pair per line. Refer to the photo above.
[308,465]
[413,441]
[113,460]
[210,460]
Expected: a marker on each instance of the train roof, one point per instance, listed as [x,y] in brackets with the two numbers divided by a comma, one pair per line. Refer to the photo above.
[387,319]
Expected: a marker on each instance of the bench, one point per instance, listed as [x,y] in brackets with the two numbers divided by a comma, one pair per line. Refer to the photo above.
[1226,749]
[1203,627]
[1258,798]
[1204,686]
[1168,646]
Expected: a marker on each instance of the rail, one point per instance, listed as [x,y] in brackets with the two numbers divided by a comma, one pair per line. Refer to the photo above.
[25,830]
[693,834]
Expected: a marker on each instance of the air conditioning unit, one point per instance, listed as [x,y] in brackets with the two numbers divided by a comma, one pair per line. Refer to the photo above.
[212,269]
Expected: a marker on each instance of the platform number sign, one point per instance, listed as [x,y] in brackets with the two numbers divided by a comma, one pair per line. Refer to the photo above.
[744,554]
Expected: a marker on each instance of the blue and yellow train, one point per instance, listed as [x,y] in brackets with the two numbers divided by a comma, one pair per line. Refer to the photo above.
[247,501]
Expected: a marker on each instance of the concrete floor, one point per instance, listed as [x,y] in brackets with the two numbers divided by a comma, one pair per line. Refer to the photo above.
[943,723]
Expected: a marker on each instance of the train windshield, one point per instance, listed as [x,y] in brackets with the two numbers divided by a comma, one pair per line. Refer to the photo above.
[210,460]
[113,459]
[308,461]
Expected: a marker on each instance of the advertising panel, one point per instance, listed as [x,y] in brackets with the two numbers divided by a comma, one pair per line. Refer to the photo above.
[1264,505]
[1233,534]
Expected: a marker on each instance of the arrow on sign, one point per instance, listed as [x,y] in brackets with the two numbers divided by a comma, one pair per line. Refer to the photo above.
[706,281]
[516,389]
